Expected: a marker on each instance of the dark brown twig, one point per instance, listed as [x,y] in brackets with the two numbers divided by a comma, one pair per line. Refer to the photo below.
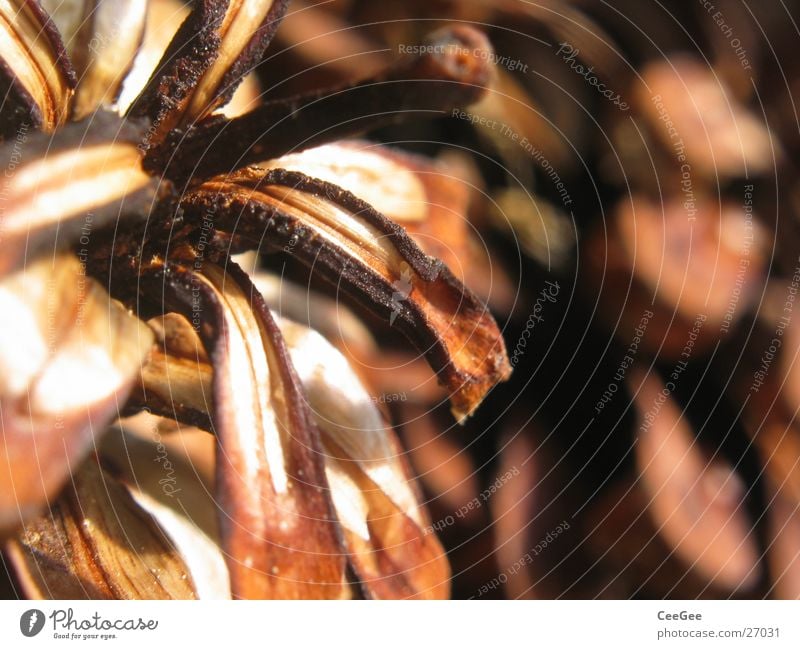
[452,69]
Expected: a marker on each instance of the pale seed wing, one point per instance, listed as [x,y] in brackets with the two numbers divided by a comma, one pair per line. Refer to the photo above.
[69,355]
[163,19]
[164,480]
[318,310]
[278,526]
[214,48]
[431,199]
[102,38]
[386,180]
[392,548]
[96,542]
[176,380]
[60,190]
[36,77]
[372,260]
